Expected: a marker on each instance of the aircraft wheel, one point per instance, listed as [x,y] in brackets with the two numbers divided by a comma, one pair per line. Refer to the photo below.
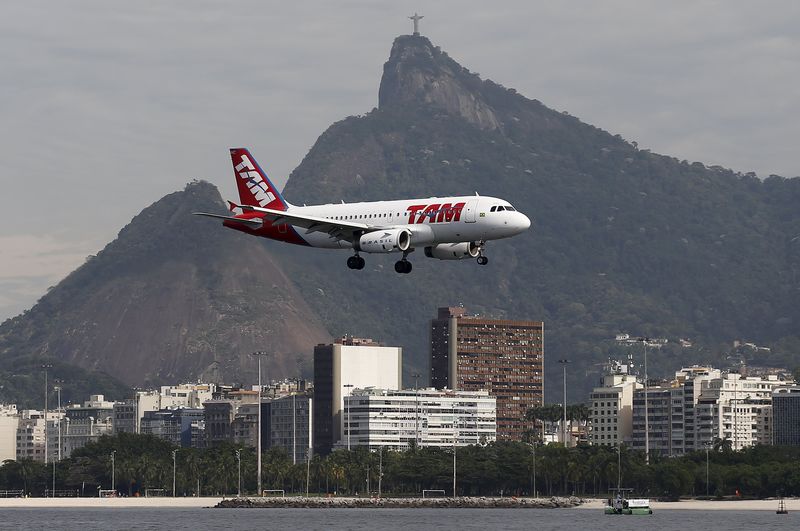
[361,263]
[482,260]
[354,261]
[402,266]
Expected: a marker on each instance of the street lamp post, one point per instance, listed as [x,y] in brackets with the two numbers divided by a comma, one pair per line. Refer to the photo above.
[239,467]
[294,430]
[56,422]
[259,354]
[533,450]
[707,445]
[347,415]
[380,470]
[58,389]
[113,470]
[45,367]
[308,468]
[416,409]
[174,468]
[564,428]
[644,341]
[455,437]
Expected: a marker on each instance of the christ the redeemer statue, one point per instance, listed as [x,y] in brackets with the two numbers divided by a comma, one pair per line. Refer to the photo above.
[416,18]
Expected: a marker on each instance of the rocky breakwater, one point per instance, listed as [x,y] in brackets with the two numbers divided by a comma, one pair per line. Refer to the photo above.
[298,502]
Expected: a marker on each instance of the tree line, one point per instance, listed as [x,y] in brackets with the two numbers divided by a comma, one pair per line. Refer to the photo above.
[499,468]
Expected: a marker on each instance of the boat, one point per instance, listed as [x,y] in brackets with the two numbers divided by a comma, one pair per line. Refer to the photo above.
[621,504]
[781,507]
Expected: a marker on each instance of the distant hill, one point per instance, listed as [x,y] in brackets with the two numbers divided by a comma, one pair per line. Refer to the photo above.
[623,239]
[174,298]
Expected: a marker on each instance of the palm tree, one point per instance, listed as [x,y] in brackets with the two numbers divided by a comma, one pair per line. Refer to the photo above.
[722,445]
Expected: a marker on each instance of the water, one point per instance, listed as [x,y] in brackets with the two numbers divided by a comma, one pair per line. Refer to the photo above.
[179,519]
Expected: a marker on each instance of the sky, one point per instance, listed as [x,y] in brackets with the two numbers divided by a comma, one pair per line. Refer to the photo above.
[107,105]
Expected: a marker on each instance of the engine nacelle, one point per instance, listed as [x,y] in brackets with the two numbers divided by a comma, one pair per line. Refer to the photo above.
[453,251]
[385,241]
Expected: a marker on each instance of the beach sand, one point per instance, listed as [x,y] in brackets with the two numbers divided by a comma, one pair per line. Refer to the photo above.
[6,503]
[792,504]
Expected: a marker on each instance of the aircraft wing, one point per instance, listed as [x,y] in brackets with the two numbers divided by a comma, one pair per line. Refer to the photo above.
[338,229]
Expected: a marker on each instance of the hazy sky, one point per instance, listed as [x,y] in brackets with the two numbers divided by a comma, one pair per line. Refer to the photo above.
[106,106]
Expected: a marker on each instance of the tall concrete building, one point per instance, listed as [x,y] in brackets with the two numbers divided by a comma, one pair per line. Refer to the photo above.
[9,422]
[786,416]
[31,435]
[736,409]
[340,367]
[290,425]
[611,406]
[694,379]
[503,357]
[665,420]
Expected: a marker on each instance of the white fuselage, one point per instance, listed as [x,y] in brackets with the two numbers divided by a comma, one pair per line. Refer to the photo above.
[431,221]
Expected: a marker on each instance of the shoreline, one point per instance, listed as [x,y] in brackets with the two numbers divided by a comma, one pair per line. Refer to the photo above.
[597,504]
[769,504]
[461,502]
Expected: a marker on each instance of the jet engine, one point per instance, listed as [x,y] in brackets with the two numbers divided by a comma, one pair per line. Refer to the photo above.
[385,241]
[453,251]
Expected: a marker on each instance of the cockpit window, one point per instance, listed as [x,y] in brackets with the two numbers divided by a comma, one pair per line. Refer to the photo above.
[500,208]
[493,209]
[509,207]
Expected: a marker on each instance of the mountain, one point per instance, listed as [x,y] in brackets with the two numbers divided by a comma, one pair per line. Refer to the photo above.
[623,240]
[173,298]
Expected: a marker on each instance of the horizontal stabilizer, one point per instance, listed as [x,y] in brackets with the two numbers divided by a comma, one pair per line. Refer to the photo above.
[254,223]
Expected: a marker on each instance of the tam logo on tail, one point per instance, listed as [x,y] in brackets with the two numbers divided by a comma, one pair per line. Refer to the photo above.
[255,189]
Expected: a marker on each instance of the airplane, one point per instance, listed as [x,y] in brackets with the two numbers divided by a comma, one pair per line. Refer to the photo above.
[447,228]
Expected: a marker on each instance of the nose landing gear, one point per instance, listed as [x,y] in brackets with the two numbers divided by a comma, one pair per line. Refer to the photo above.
[482,260]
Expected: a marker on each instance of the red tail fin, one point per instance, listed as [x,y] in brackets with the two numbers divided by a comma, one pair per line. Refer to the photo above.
[255,188]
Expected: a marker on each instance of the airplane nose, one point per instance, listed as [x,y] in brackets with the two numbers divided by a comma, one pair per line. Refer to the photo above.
[524,222]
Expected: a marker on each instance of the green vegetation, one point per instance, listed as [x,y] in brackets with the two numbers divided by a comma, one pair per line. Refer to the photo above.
[143,461]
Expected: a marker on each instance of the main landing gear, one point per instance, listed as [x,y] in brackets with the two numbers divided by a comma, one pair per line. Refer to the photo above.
[482,260]
[403,266]
[355,262]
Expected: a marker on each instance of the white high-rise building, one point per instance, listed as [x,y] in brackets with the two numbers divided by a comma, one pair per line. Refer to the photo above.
[428,417]
[693,380]
[30,435]
[9,422]
[611,406]
[736,409]
[348,363]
